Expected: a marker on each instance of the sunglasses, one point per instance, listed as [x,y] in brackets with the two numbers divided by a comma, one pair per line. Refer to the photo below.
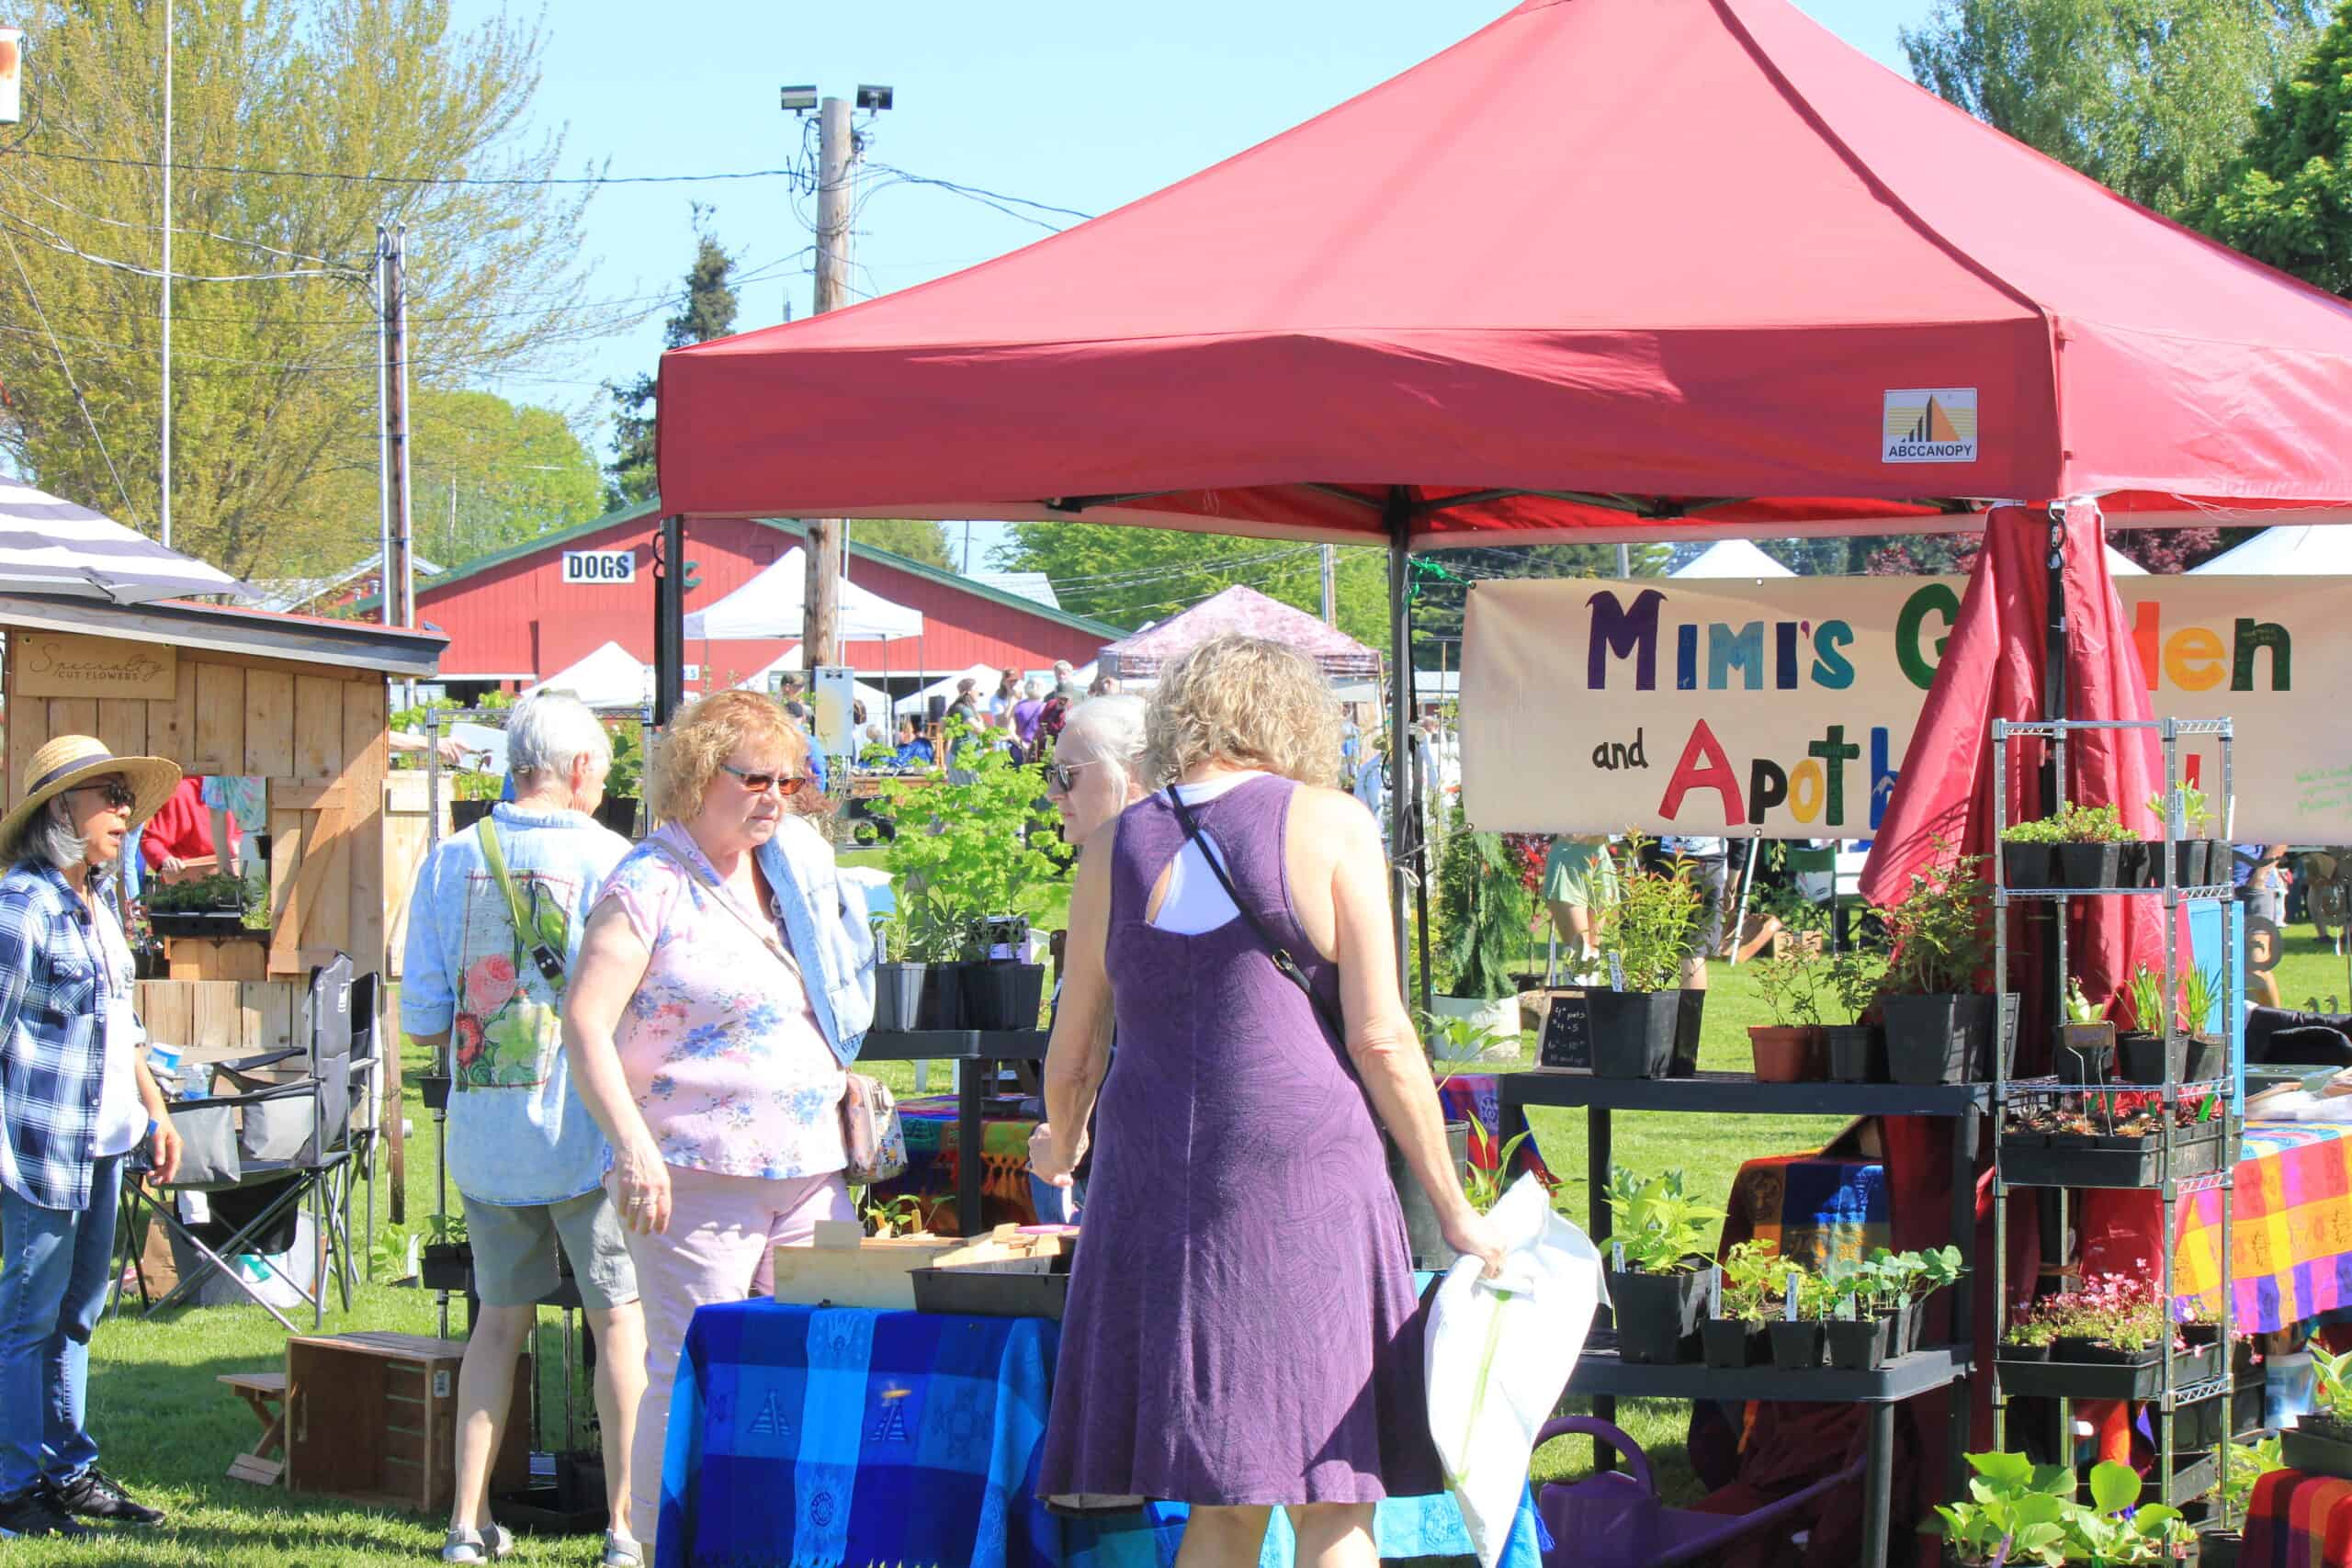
[760,784]
[118,795]
[1065,774]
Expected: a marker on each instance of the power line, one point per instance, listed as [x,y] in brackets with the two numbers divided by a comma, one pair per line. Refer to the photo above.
[41,234]
[996,199]
[355,178]
[128,512]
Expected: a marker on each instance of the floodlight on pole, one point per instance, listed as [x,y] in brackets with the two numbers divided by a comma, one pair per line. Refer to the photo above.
[797,100]
[870,97]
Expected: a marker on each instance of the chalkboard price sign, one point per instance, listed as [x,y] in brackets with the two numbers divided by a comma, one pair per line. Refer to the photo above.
[1567,1034]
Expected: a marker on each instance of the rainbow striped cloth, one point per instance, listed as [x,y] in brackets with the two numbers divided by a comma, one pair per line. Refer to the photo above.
[2300,1519]
[2290,1237]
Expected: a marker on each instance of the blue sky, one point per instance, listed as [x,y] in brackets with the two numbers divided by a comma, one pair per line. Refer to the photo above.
[1071,102]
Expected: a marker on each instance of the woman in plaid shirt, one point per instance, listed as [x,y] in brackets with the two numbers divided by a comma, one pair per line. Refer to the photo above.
[75,1098]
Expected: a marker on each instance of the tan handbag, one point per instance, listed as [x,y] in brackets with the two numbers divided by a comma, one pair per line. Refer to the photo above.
[871,1134]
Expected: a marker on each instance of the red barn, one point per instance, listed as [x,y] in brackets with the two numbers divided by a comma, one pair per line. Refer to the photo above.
[519,615]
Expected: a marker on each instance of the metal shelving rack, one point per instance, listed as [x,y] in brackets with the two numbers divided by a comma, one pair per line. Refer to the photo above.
[2173,1484]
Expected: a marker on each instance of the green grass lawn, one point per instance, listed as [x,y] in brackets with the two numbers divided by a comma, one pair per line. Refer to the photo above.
[169,1430]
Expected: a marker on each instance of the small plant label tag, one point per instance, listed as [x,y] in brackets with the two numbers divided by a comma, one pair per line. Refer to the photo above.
[1789,1307]
[1617,1256]
[1616,972]
[1716,1292]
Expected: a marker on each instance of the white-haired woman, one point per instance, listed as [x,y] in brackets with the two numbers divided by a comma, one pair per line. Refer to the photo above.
[1096,772]
[529,1161]
[75,1099]
[1240,1173]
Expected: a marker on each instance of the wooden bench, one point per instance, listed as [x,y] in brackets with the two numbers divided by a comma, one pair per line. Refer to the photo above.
[263,1464]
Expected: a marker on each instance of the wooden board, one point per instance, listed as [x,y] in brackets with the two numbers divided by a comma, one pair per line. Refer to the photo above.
[270,724]
[171,724]
[165,1012]
[73,716]
[28,721]
[317,727]
[219,719]
[201,958]
[367,757]
[69,664]
[122,725]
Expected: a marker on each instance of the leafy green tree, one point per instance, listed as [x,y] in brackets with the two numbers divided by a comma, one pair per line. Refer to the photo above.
[2288,200]
[1443,581]
[705,311]
[2150,97]
[1132,577]
[917,538]
[274,387]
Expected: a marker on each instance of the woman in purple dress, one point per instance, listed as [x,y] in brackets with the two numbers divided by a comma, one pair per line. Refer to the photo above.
[1242,1333]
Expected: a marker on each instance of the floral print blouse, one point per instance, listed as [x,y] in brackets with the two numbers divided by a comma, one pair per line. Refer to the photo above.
[719,1046]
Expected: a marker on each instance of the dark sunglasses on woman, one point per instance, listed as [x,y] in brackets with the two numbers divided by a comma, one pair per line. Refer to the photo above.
[760,784]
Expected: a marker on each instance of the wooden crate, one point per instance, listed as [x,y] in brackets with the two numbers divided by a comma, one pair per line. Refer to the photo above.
[373,1417]
[844,1267]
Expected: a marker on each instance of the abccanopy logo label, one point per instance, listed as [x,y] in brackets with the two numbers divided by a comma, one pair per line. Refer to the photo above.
[1930,425]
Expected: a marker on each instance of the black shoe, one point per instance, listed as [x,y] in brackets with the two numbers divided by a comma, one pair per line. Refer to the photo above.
[93,1495]
[37,1512]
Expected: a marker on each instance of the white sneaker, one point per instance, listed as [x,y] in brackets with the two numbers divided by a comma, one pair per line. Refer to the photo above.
[620,1552]
[492,1543]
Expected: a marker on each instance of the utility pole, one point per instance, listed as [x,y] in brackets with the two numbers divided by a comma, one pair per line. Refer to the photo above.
[1330,586]
[836,153]
[400,592]
[165,452]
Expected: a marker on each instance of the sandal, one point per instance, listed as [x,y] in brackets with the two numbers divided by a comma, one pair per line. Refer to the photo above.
[492,1543]
[620,1552]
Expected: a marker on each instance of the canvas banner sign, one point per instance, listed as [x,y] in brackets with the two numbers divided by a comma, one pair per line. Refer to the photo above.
[1786,706]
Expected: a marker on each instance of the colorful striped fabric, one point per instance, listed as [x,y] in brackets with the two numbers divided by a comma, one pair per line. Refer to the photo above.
[1814,1208]
[929,1125]
[2290,1229]
[2298,1521]
[1473,1098]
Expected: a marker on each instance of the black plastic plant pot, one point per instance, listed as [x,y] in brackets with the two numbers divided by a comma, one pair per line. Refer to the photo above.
[1860,1345]
[1729,1344]
[943,997]
[2188,864]
[2219,1549]
[2201,1058]
[2083,1053]
[897,996]
[435,1089]
[994,993]
[1857,1052]
[2023,1355]
[2132,865]
[464,814]
[2027,866]
[1632,1032]
[1798,1347]
[2087,865]
[1686,1020]
[618,812]
[2325,1451]
[1941,1039]
[444,1266]
[1657,1315]
[2140,1056]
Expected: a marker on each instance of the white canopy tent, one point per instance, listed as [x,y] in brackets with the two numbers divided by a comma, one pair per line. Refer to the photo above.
[916,702]
[51,546]
[609,678]
[2293,550]
[770,606]
[1731,558]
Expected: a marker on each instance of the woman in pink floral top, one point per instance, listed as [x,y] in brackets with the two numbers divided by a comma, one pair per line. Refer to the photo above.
[715,998]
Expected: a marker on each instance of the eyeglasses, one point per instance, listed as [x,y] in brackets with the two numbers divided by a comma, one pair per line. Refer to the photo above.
[118,794]
[1065,774]
[760,784]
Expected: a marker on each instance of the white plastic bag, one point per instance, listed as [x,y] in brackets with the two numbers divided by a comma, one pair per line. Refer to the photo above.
[1500,1353]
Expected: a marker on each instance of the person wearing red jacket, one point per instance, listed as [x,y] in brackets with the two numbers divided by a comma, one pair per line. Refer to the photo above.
[182,831]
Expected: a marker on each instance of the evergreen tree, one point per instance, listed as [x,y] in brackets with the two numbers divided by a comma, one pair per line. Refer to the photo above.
[2288,200]
[707,311]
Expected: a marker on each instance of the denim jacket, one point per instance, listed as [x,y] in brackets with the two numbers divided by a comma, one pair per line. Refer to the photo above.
[826,926]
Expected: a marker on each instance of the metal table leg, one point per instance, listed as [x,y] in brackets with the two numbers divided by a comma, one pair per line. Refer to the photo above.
[1596,1136]
[1962,1395]
[969,1077]
[1878,1485]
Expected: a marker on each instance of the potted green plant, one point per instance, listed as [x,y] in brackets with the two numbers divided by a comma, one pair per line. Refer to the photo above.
[2320,1442]
[2028,856]
[2018,1512]
[1789,1048]
[1909,1281]
[223,906]
[897,978]
[1857,1049]
[2139,1050]
[1734,1336]
[1646,929]
[625,784]
[2087,854]
[1801,1335]
[2201,1000]
[1000,991]
[2029,1336]
[1483,911]
[2243,1464]
[2086,1044]
[1657,1271]
[2193,859]
[1938,1030]
[448,1260]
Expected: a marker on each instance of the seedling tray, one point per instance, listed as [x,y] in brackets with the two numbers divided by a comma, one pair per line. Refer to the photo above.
[2107,1380]
[2052,1164]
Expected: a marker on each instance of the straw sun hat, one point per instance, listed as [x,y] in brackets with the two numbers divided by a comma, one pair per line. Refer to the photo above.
[72,759]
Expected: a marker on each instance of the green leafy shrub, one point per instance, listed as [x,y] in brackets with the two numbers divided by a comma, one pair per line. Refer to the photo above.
[1660,1226]
[1485,912]
[963,851]
[1939,930]
[1651,921]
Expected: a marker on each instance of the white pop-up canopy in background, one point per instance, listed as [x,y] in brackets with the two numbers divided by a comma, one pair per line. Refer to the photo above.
[2296,550]
[770,606]
[609,678]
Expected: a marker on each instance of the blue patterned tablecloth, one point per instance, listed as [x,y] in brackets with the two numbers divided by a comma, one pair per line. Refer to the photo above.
[836,1437]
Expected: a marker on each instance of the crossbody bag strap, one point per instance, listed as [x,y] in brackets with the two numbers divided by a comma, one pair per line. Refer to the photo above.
[767,935]
[1274,950]
[549,961]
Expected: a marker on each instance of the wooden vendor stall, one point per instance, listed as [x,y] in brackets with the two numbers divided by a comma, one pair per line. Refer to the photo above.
[298,703]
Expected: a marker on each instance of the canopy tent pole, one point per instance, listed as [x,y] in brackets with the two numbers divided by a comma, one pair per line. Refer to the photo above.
[1398,517]
[1747,885]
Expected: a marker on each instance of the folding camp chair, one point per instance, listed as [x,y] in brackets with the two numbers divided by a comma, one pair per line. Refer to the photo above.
[296,1134]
